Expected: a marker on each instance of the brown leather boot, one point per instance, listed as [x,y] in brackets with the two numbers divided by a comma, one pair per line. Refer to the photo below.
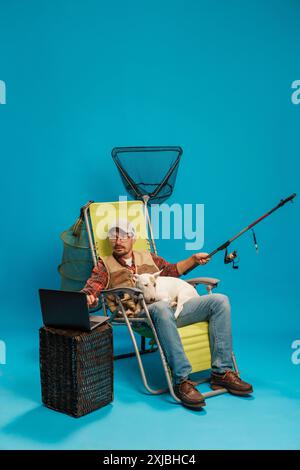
[232,382]
[189,395]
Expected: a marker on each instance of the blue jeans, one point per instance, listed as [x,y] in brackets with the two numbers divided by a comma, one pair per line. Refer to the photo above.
[213,308]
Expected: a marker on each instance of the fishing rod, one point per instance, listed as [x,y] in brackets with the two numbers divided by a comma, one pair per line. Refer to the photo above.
[230,257]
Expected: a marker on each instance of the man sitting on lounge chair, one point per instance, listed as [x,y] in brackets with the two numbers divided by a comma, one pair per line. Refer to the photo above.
[117,269]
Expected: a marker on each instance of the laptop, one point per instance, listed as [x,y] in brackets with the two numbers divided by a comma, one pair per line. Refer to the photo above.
[68,309]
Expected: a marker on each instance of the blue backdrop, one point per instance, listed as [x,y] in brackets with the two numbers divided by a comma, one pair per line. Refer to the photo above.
[214,77]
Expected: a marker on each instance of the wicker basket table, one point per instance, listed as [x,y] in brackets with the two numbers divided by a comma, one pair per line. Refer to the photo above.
[76,369]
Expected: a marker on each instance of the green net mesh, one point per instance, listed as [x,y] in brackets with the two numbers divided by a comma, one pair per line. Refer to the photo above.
[77,262]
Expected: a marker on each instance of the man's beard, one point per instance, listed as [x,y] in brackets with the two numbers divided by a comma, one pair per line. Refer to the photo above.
[121,252]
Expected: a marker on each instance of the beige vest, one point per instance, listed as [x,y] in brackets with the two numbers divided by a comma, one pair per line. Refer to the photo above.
[119,276]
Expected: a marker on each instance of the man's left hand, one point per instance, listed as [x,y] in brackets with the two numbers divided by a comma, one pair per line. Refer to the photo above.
[201,258]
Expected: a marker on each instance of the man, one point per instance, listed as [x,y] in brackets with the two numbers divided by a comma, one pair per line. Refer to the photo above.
[118,269]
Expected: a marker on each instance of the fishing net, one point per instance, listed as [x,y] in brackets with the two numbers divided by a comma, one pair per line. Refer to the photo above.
[77,262]
[148,171]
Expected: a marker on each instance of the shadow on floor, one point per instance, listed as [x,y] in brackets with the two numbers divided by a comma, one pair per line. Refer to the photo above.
[47,426]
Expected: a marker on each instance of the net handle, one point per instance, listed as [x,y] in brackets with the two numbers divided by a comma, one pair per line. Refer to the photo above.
[77,226]
[146,199]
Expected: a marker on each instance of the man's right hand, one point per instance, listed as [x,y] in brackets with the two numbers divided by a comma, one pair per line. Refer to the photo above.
[92,301]
[201,258]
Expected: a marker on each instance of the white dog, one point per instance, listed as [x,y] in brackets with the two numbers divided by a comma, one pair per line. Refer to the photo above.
[167,288]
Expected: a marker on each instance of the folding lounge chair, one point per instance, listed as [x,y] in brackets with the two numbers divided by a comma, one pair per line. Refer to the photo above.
[195,338]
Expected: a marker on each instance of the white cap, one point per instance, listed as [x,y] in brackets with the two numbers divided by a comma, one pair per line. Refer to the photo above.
[123,225]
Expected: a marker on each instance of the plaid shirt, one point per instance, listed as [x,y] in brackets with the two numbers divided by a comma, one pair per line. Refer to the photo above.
[99,277]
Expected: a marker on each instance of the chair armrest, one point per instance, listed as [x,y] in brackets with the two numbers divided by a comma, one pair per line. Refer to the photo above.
[208,281]
[132,291]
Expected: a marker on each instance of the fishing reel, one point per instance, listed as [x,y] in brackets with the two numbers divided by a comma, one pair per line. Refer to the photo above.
[230,258]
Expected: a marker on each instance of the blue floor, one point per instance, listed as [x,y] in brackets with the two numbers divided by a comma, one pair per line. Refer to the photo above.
[135,420]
